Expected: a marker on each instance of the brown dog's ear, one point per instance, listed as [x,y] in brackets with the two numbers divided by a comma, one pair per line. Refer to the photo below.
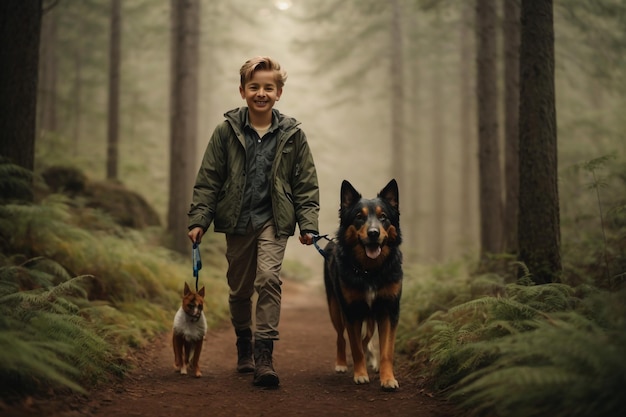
[186,291]
[201,292]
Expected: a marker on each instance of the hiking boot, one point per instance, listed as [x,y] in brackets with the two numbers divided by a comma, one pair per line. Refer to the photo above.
[264,374]
[245,362]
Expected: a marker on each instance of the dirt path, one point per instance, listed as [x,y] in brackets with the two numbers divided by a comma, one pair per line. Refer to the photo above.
[304,360]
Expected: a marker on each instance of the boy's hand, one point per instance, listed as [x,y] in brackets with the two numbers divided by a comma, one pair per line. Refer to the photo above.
[195,234]
[307,239]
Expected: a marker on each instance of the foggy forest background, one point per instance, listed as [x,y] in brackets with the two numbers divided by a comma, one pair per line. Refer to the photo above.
[338,57]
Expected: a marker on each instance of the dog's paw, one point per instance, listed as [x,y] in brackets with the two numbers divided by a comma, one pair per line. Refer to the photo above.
[389,385]
[341,369]
[197,374]
[183,370]
[361,379]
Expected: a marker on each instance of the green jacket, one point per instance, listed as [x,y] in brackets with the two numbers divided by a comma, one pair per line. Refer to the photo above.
[218,191]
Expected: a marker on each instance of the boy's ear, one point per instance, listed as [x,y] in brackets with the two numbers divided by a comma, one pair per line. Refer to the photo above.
[241,91]
[279,92]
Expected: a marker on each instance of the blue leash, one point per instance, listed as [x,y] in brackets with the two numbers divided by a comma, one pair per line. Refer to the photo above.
[318,237]
[196,261]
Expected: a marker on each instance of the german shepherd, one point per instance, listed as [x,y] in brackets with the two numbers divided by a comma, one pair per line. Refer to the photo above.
[188,332]
[363,280]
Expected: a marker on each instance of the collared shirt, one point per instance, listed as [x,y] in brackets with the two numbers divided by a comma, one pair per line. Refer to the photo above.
[257,199]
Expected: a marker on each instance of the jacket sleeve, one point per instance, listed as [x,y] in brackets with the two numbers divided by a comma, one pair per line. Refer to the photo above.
[305,187]
[209,181]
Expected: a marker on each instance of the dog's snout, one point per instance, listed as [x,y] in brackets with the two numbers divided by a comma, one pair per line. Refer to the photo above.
[373,233]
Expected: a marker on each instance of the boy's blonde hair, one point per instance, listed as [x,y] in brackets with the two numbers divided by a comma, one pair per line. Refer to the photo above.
[262,63]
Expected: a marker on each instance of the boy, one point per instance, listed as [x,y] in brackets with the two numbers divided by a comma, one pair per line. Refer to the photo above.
[256,181]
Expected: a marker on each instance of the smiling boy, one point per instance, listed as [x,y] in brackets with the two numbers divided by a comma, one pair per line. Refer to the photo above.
[256,181]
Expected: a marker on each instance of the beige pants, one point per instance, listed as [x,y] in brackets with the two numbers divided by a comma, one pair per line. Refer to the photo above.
[254,263]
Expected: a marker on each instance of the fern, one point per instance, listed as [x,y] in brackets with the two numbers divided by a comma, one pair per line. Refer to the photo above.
[15,182]
[24,363]
[558,370]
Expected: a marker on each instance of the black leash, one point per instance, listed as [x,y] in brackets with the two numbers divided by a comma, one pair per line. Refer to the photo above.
[318,237]
[196,261]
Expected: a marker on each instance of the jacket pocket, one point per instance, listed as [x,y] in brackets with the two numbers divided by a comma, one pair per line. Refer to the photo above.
[288,194]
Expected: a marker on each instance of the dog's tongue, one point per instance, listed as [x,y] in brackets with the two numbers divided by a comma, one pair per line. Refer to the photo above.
[373,252]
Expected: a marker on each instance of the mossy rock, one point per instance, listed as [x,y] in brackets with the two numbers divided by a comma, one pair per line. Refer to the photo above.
[63,179]
[127,208]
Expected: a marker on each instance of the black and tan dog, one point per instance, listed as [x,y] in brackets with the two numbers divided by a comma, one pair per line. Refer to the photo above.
[188,332]
[363,279]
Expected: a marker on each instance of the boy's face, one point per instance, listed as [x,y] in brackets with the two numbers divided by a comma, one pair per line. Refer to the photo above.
[261,92]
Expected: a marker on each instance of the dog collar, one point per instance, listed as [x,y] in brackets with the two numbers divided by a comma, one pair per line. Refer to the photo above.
[194,318]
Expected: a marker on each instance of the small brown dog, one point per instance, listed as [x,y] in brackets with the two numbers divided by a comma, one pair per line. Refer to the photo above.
[188,332]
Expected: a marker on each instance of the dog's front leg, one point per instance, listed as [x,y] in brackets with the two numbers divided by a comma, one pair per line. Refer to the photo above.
[178,352]
[387,339]
[358,357]
[194,365]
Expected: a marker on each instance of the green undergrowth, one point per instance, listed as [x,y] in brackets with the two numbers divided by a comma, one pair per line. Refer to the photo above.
[79,294]
[515,349]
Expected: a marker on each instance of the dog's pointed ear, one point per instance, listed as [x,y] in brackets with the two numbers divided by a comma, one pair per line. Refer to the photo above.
[187,290]
[390,194]
[201,292]
[349,196]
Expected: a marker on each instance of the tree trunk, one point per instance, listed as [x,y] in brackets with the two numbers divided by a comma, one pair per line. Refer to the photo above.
[437,164]
[20,28]
[511,30]
[488,148]
[414,221]
[397,95]
[467,138]
[183,116]
[48,74]
[77,100]
[539,229]
[114,91]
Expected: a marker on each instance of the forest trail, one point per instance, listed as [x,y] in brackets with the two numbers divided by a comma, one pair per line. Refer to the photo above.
[304,360]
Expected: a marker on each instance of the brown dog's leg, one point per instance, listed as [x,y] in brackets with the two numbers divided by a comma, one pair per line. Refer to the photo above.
[178,352]
[195,366]
[387,338]
[186,348]
[356,345]
[341,364]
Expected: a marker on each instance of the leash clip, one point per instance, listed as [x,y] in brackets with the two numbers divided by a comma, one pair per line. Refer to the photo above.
[196,262]
[315,239]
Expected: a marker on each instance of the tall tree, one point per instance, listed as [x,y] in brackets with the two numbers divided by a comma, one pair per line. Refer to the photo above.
[511,30]
[466,133]
[114,90]
[183,116]
[539,230]
[490,189]
[48,73]
[438,165]
[20,28]
[397,93]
